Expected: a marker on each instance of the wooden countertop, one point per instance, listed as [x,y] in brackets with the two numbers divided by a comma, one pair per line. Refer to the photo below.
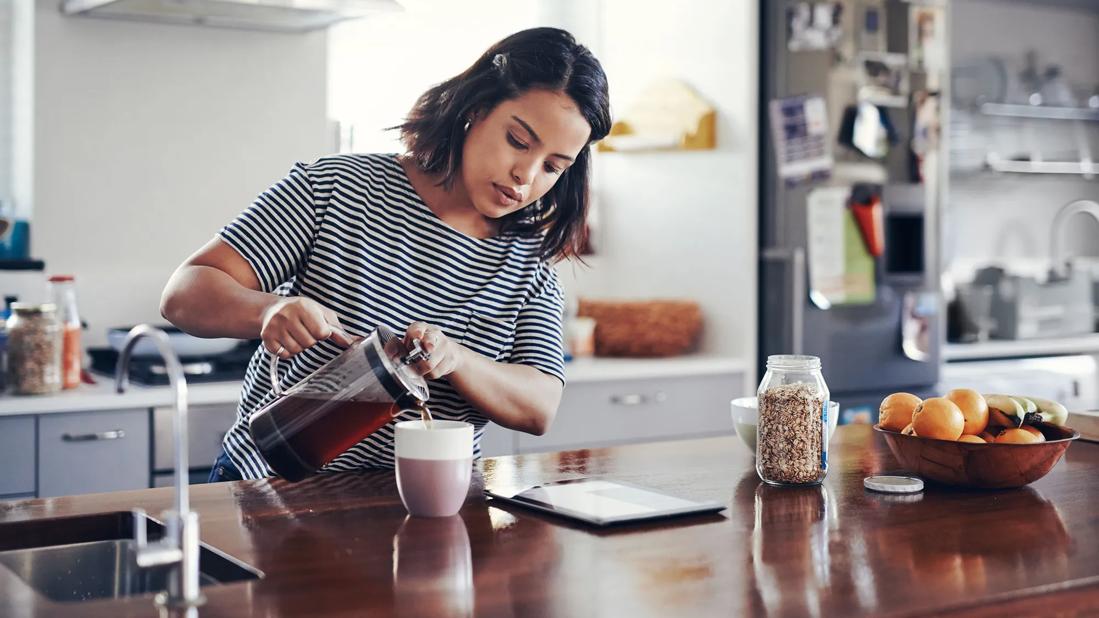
[341,545]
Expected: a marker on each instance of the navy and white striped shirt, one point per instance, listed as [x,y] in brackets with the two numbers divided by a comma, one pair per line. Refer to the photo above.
[350,232]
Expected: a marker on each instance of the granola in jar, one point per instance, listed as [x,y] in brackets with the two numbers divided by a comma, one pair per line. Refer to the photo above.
[34,349]
[791,443]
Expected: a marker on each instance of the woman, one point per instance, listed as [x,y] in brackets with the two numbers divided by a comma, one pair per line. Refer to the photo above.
[451,242]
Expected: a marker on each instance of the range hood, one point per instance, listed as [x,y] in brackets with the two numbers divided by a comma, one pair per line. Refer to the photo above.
[270,15]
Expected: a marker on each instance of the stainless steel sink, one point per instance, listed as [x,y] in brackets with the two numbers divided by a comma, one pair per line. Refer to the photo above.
[93,557]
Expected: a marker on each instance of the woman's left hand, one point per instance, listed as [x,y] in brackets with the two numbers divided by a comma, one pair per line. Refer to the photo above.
[445,356]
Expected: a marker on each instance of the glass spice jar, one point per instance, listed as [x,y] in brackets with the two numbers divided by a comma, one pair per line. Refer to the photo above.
[63,290]
[792,439]
[34,349]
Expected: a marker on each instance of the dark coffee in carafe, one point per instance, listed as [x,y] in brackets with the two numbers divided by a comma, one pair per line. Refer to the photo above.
[299,434]
[335,407]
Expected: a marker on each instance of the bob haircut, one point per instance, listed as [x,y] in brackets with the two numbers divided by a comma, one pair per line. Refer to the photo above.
[538,58]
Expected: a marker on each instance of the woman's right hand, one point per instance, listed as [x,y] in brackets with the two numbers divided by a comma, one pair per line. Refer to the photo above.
[296,323]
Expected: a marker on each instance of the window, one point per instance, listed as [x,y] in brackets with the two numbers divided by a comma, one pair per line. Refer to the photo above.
[16,106]
[6,79]
[380,64]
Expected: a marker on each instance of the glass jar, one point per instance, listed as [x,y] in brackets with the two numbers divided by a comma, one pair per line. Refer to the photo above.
[34,349]
[63,291]
[792,438]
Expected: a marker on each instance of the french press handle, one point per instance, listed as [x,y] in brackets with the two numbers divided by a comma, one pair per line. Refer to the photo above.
[274,369]
[415,355]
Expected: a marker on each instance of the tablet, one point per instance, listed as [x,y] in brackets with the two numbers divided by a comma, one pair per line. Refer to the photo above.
[603,502]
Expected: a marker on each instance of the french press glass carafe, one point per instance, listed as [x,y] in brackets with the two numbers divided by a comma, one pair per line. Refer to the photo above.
[338,405]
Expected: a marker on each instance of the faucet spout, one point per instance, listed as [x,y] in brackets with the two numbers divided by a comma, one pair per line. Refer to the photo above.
[1058,268]
[180,545]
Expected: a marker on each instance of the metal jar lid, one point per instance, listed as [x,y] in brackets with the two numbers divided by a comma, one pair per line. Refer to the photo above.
[893,484]
[32,309]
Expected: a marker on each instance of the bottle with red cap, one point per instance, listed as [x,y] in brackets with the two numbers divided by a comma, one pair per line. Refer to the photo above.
[63,291]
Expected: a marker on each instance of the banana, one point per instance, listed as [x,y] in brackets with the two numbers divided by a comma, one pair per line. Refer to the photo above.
[1005,410]
[1051,411]
[1029,407]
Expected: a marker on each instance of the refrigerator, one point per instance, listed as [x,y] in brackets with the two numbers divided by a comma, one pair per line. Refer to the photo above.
[851,191]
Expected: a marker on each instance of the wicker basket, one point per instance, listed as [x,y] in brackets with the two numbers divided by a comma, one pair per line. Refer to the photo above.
[643,328]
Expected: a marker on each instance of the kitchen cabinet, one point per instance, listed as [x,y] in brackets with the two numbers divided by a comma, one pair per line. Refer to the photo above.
[622,411]
[89,452]
[17,445]
[206,426]
[498,441]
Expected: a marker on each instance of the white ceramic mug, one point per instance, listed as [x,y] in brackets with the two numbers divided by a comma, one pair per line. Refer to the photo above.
[434,466]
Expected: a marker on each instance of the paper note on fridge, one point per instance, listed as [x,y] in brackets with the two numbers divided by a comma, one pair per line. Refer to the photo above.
[803,145]
[841,272]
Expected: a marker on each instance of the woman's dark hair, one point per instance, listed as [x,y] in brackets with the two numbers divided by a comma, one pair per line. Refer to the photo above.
[539,58]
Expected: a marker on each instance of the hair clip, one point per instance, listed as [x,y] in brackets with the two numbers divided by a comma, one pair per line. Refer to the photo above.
[500,61]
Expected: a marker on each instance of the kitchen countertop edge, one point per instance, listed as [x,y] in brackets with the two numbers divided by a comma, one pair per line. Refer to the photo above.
[101,396]
[1022,348]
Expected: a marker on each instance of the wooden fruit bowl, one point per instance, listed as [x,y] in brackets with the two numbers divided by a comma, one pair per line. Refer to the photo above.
[982,466]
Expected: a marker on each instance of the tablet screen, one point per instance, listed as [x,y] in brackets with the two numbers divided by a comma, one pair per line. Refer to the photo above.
[602,500]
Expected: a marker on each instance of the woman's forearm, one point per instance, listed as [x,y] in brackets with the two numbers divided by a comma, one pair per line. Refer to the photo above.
[207,302]
[518,397]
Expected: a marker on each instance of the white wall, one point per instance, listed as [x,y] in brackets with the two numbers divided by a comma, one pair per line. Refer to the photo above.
[683,224]
[680,224]
[148,138]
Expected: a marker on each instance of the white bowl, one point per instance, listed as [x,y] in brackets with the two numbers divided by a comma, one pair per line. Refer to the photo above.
[745,412]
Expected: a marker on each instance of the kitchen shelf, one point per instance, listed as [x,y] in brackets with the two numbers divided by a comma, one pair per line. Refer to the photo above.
[1081,344]
[1083,168]
[1039,111]
[1081,5]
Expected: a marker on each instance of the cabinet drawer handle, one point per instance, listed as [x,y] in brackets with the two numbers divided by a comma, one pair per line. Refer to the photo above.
[88,437]
[637,399]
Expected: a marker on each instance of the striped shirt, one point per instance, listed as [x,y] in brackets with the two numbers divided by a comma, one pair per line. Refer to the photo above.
[350,232]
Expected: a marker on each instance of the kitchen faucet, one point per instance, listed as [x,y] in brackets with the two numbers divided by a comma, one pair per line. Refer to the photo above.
[1058,268]
[179,547]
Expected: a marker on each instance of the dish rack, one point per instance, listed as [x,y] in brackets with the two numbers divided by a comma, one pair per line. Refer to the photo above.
[1035,162]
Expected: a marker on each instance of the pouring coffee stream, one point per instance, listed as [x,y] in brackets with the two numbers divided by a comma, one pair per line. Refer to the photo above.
[415,355]
[334,408]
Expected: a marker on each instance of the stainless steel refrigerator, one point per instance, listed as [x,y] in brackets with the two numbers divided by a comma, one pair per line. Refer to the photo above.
[850,105]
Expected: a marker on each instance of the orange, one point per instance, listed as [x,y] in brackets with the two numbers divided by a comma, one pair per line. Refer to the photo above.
[938,418]
[1034,430]
[973,407]
[968,438]
[896,411]
[908,430]
[1017,436]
